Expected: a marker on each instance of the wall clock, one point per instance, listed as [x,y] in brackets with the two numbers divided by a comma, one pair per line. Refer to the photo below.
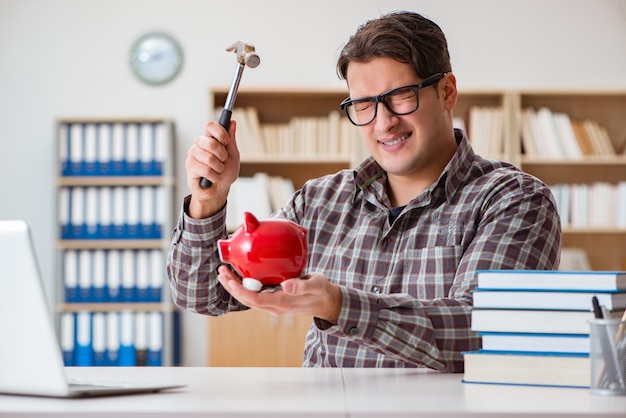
[156,58]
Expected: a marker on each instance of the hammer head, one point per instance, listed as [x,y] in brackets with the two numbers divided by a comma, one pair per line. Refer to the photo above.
[245,54]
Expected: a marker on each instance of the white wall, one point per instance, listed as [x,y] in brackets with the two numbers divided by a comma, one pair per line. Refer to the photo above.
[67,58]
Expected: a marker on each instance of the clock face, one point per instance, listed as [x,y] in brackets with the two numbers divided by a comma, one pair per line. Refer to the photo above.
[156,58]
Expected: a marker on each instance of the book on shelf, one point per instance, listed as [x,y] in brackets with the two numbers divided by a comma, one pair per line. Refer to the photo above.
[308,137]
[574,259]
[113,148]
[550,300]
[260,194]
[527,368]
[549,134]
[486,130]
[542,343]
[598,204]
[552,280]
[112,338]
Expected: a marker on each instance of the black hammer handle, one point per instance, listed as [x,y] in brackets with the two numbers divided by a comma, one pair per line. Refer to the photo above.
[225,122]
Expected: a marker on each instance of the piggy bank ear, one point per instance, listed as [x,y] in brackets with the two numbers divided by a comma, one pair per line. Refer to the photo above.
[250,222]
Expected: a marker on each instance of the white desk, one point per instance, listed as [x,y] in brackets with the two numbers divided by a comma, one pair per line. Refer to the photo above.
[270,392]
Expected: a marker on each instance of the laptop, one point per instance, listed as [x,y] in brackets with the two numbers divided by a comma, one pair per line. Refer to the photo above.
[31,362]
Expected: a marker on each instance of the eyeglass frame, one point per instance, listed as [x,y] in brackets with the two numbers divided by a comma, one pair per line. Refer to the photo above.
[428,81]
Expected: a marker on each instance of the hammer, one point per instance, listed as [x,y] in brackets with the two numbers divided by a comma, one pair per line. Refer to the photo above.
[245,56]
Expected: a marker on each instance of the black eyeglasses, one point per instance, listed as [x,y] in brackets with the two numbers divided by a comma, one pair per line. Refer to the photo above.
[399,101]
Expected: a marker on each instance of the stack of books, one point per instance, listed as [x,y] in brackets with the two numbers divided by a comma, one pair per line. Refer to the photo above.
[534,325]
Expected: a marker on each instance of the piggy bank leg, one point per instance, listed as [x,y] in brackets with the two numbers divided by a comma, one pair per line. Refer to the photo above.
[252,284]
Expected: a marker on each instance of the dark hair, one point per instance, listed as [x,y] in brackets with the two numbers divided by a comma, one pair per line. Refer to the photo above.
[406,37]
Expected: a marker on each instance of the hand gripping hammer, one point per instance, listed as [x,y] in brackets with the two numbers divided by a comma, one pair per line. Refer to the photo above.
[245,56]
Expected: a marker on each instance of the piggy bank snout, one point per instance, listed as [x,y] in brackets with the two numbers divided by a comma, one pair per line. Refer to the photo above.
[224,249]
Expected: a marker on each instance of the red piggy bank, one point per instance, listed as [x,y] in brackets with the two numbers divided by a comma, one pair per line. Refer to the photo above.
[265,253]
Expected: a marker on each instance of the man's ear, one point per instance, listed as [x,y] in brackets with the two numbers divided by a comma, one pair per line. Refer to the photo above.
[448,90]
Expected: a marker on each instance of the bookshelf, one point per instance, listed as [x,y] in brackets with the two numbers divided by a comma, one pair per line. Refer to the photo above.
[115,191]
[606,247]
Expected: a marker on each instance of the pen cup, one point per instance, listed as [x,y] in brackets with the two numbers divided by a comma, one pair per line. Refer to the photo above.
[608,356]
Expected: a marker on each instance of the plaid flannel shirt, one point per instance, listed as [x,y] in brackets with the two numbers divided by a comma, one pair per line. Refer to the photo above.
[406,285]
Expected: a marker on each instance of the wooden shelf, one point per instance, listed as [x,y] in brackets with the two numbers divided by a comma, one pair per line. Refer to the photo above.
[115,181]
[606,247]
[121,244]
[114,307]
[81,261]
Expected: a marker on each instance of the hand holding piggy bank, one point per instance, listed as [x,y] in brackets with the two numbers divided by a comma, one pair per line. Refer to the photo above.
[265,253]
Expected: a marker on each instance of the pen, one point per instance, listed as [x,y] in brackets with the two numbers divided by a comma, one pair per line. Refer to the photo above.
[597,311]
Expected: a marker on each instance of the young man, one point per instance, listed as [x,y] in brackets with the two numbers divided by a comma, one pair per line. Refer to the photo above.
[395,243]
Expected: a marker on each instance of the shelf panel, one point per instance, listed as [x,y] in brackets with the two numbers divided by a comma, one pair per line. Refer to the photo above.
[114,307]
[131,244]
[611,170]
[594,230]
[296,159]
[115,181]
[298,171]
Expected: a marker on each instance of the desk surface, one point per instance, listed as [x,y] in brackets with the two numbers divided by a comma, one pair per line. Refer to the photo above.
[270,392]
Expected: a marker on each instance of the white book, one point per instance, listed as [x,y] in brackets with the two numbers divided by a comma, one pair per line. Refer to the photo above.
[155,342]
[566,204]
[551,280]
[114,273]
[99,337]
[105,214]
[574,259]
[161,152]
[529,141]
[550,300]
[119,207]
[84,354]
[78,206]
[67,337]
[64,206]
[580,205]
[113,334]
[85,271]
[64,147]
[620,206]
[542,343]
[155,338]
[143,273]
[334,148]
[538,133]
[70,272]
[128,274]
[141,337]
[77,149]
[133,208]
[233,218]
[91,147]
[157,273]
[99,274]
[83,328]
[162,213]
[132,146]
[568,137]
[92,206]
[127,328]
[148,205]
[147,146]
[104,144]
[118,148]
[553,141]
[263,201]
